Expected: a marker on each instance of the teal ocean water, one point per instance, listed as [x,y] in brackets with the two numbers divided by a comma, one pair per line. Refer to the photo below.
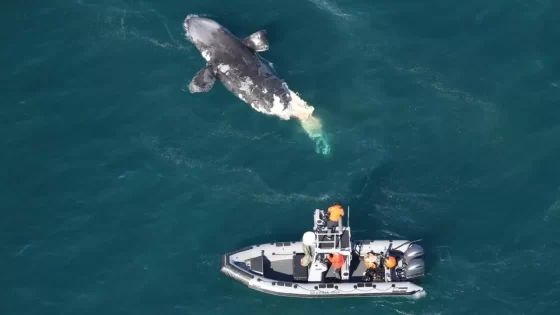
[120,189]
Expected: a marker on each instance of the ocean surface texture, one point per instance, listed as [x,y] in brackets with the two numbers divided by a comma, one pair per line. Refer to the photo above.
[120,189]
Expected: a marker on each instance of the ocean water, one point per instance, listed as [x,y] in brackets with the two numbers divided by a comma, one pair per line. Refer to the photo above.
[120,189]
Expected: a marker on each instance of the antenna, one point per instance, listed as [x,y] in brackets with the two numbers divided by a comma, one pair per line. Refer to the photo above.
[348,217]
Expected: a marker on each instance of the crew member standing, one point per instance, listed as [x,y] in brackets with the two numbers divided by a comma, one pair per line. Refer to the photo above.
[337,261]
[336,212]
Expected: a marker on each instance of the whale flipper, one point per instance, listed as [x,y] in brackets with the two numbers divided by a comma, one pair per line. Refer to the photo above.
[257,41]
[203,80]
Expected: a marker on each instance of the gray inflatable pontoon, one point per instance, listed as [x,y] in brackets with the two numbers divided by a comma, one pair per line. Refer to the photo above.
[299,269]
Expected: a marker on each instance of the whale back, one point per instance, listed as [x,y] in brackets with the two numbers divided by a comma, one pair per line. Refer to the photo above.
[240,68]
[244,73]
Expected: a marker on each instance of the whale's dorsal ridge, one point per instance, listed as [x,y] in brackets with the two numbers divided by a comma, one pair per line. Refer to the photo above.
[257,41]
[203,80]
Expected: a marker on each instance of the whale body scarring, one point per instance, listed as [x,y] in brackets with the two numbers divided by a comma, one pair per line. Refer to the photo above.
[236,64]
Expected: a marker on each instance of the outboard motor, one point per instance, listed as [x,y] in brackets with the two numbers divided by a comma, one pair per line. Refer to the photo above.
[414,269]
[413,260]
[414,251]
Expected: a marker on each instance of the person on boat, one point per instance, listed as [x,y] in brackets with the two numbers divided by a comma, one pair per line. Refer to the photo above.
[337,261]
[371,266]
[335,213]
[369,260]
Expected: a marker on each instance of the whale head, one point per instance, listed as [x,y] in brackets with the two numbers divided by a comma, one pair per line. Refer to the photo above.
[200,31]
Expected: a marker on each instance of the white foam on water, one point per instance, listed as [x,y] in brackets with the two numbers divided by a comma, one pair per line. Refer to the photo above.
[330,7]
[418,295]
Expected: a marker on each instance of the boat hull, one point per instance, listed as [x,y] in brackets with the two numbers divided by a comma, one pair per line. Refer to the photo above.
[233,266]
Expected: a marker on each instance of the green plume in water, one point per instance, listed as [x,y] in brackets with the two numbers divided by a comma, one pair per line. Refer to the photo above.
[314,130]
[311,125]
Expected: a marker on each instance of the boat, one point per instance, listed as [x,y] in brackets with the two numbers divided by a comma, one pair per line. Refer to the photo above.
[299,268]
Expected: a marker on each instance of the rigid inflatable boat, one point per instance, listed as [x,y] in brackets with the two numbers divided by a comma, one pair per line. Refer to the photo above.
[300,268]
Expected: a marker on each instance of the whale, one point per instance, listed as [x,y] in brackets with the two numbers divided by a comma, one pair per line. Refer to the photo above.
[237,64]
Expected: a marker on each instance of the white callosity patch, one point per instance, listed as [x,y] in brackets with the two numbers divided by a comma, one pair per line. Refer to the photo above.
[246,85]
[297,107]
[278,108]
[206,55]
[223,68]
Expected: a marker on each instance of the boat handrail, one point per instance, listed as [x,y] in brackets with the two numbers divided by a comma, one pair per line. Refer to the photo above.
[336,240]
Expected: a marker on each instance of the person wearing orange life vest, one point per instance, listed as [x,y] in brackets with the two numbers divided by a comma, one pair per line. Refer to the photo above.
[335,213]
[337,261]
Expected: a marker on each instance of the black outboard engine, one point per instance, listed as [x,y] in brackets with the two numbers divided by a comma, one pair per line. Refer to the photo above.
[413,262]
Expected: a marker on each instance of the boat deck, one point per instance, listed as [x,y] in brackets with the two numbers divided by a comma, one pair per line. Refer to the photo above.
[341,241]
[283,269]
